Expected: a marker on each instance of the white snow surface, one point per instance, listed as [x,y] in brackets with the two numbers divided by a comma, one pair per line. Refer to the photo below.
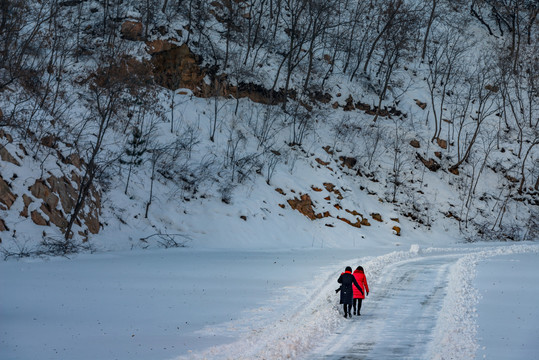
[464,302]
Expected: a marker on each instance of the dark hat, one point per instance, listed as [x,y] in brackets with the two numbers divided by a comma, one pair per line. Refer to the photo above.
[348,268]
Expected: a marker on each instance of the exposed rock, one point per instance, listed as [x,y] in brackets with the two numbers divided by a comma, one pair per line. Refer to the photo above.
[347,161]
[377,217]
[49,141]
[395,219]
[354,212]
[27,201]
[365,222]
[3,227]
[324,98]
[442,143]
[6,196]
[327,149]
[338,207]
[349,106]
[304,205]
[492,88]
[159,45]
[74,159]
[38,219]
[397,230]
[438,154]
[280,191]
[65,190]
[4,134]
[356,224]
[422,105]
[329,187]
[415,143]
[454,170]
[431,164]
[6,156]
[321,162]
[131,30]
[317,189]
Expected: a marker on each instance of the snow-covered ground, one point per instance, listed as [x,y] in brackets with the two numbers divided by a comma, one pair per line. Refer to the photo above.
[425,303]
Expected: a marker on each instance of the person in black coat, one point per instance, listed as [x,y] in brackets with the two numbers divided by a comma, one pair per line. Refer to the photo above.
[347,295]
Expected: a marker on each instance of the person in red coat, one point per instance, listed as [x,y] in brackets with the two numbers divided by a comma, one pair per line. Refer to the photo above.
[360,277]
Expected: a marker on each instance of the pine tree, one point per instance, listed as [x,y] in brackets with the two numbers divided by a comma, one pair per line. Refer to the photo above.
[135,148]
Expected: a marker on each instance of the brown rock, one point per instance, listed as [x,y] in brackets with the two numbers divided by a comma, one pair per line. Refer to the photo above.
[38,219]
[5,135]
[349,162]
[354,212]
[365,222]
[397,230]
[329,187]
[454,170]
[3,227]
[280,191]
[431,164]
[438,154]
[422,105]
[27,201]
[316,188]
[6,196]
[321,162]
[327,149]
[377,217]
[131,30]
[415,144]
[442,143]
[395,219]
[349,106]
[55,216]
[6,156]
[157,46]
[492,88]
[356,224]
[66,192]
[338,207]
[304,205]
[49,141]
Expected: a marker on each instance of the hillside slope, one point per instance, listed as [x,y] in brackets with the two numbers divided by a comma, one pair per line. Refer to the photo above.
[266,124]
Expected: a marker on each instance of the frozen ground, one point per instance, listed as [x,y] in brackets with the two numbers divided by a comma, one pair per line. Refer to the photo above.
[427,303]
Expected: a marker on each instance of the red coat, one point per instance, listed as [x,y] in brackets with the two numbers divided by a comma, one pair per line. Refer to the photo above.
[362,281]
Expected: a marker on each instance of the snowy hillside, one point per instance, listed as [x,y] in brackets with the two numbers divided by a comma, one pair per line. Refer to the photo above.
[207,125]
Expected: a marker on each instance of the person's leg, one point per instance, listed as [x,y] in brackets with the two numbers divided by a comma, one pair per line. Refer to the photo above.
[355,306]
[344,306]
[359,302]
[350,310]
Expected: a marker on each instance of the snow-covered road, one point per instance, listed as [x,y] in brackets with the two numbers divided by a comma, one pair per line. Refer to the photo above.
[424,303]
[399,317]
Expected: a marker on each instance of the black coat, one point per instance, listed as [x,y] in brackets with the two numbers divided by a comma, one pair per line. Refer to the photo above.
[346,280]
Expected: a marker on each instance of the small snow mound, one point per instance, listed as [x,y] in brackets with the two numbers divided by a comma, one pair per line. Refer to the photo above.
[414,249]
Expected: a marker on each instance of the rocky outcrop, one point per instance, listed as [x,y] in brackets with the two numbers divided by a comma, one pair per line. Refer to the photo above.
[57,191]
[431,164]
[131,30]
[304,205]
[7,198]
